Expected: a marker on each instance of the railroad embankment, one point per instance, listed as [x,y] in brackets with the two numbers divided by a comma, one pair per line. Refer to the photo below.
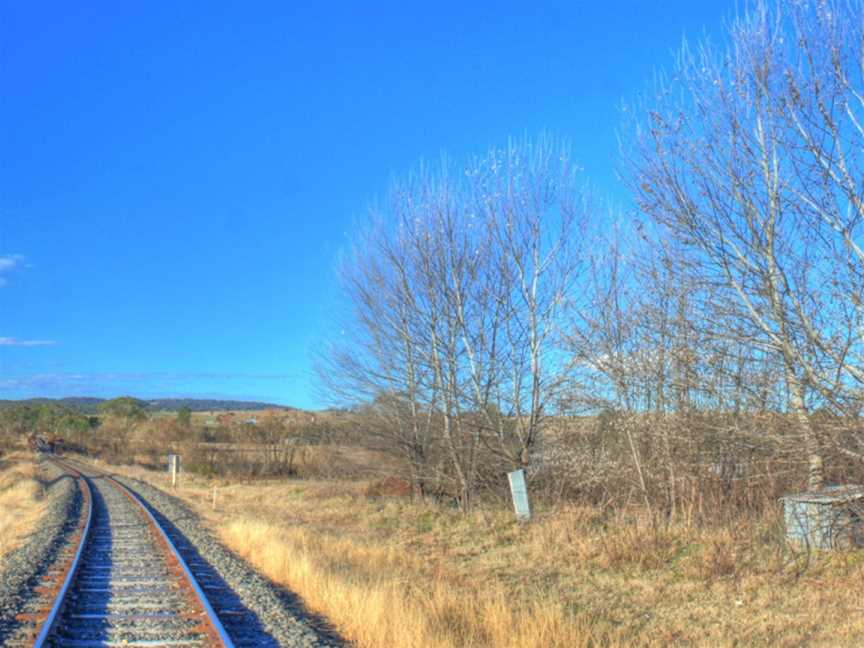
[389,572]
[38,507]
[22,500]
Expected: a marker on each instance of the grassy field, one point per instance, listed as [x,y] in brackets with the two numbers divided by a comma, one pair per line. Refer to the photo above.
[21,500]
[387,572]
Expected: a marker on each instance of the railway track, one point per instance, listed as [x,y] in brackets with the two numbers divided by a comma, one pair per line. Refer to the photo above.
[121,582]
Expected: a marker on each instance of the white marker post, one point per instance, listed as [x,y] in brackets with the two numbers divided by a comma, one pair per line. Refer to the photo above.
[519,491]
[174,464]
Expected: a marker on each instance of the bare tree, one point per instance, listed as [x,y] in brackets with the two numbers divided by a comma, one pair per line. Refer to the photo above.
[379,358]
[750,158]
[536,208]
[456,295]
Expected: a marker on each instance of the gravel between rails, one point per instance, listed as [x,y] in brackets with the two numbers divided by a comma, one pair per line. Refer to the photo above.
[21,570]
[282,619]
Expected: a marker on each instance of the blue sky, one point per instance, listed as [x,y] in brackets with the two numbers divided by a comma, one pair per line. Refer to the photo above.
[176,179]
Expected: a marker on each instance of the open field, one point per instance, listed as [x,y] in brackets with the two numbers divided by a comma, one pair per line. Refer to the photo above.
[21,500]
[388,572]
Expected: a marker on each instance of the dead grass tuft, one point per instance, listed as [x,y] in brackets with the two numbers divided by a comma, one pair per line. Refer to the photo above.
[21,502]
[388,487]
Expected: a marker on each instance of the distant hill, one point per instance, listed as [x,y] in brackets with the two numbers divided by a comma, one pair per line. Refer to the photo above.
[207,405]
[88,405]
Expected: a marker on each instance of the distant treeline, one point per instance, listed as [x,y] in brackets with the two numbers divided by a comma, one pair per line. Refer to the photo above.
[275,441]
[89,405]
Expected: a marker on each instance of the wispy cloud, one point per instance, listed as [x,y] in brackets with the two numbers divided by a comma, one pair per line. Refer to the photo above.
[15,342]
[8,263]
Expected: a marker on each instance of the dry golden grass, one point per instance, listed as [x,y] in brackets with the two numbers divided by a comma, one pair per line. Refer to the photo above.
[391,573]
[21,501]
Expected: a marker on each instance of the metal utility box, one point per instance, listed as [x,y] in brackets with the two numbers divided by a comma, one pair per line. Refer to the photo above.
[832,518]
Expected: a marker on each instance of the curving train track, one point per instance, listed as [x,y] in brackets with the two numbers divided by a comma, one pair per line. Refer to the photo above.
[121,581]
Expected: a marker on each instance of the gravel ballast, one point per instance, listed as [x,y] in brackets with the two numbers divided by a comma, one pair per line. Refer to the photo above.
[260,613]
[22,569]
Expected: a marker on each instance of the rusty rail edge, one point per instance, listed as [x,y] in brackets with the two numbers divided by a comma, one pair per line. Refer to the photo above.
[212,618]
[48,624]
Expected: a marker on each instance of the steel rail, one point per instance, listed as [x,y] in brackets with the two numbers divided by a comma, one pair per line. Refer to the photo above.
[54,614]
[212,617]
[219,633]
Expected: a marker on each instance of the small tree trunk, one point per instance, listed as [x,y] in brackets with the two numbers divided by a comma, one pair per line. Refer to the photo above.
[815,463]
